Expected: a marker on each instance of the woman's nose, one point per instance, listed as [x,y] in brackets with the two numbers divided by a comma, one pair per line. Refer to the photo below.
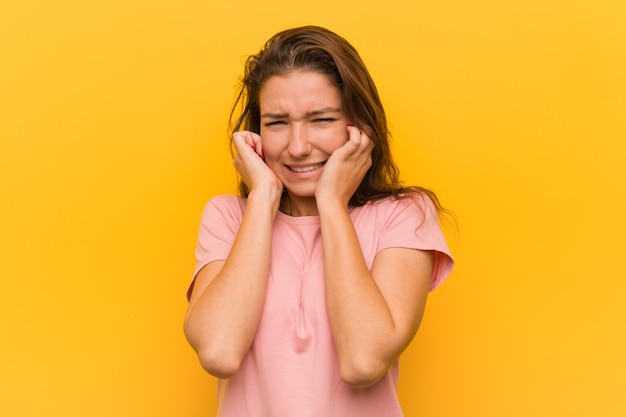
[299,144]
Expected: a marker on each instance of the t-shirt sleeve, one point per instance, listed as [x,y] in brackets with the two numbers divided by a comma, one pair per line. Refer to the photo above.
[218,227]
[413,223]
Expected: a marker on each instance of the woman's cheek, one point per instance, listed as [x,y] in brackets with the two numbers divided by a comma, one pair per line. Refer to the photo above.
[337,140]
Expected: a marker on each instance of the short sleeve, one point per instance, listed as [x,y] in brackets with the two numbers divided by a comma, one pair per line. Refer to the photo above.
[219,224]
[413,223]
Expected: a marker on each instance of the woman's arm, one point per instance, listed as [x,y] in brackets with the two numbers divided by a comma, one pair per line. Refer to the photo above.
[373,314]
[228,296]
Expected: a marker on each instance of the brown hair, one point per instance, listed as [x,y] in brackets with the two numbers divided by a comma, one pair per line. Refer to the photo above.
[313,48]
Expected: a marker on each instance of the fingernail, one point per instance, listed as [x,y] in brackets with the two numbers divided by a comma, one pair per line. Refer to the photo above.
[350,125]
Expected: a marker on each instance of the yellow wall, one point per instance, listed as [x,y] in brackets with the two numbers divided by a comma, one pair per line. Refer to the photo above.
[112,137]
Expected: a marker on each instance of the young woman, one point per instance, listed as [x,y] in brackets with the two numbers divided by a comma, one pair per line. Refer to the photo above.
[310,285]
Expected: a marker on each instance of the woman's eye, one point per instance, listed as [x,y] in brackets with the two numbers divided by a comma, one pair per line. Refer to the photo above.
[275,123]
[324,120]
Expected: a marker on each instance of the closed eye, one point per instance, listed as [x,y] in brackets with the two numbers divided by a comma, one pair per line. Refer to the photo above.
[275,123]
[324,120]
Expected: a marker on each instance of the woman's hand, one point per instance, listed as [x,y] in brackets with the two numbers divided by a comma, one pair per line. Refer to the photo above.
[228,296]
[250,164]
[345,168]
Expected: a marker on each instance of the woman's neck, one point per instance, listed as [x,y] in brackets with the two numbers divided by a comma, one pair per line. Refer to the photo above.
[298,206]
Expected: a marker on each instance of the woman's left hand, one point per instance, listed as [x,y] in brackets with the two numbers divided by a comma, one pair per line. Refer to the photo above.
[345,168]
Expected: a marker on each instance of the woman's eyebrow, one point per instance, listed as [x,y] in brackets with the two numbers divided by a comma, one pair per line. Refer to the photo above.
[316,112]
[324,111]
[274,115]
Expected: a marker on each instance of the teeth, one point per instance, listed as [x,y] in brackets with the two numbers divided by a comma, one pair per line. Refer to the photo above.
[306,169]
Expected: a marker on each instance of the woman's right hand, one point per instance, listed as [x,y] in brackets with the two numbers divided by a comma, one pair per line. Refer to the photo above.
[249,162]
[228,295]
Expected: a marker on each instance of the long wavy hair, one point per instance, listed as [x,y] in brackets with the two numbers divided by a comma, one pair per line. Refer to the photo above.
[313,48]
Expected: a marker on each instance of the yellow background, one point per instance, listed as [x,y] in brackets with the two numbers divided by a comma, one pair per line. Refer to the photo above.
[112,126]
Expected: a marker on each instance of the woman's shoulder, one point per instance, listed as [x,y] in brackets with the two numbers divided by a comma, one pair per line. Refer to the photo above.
[416,203]
[227,199]
[226,204]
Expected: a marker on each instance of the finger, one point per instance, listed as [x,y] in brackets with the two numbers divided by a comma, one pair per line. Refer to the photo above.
[368,144]
[239,139]
[254,141]
[365,144]
[245,139]
[354,139]
[258,147]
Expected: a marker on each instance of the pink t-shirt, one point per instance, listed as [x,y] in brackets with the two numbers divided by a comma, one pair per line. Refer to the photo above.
[291,369]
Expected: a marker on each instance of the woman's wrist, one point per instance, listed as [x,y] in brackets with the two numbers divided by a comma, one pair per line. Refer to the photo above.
[268,197]
[331,206]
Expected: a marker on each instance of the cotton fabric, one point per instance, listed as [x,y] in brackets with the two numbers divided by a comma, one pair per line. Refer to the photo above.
[292,368]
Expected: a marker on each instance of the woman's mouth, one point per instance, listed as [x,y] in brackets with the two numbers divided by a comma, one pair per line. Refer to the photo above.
[308,168]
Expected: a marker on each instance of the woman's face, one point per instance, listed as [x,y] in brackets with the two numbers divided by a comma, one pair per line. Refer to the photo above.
[302,124]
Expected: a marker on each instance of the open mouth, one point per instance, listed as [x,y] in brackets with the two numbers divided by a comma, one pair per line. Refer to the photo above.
[308,168]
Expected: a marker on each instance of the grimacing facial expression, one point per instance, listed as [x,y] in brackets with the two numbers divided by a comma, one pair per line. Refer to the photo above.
[302,124]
